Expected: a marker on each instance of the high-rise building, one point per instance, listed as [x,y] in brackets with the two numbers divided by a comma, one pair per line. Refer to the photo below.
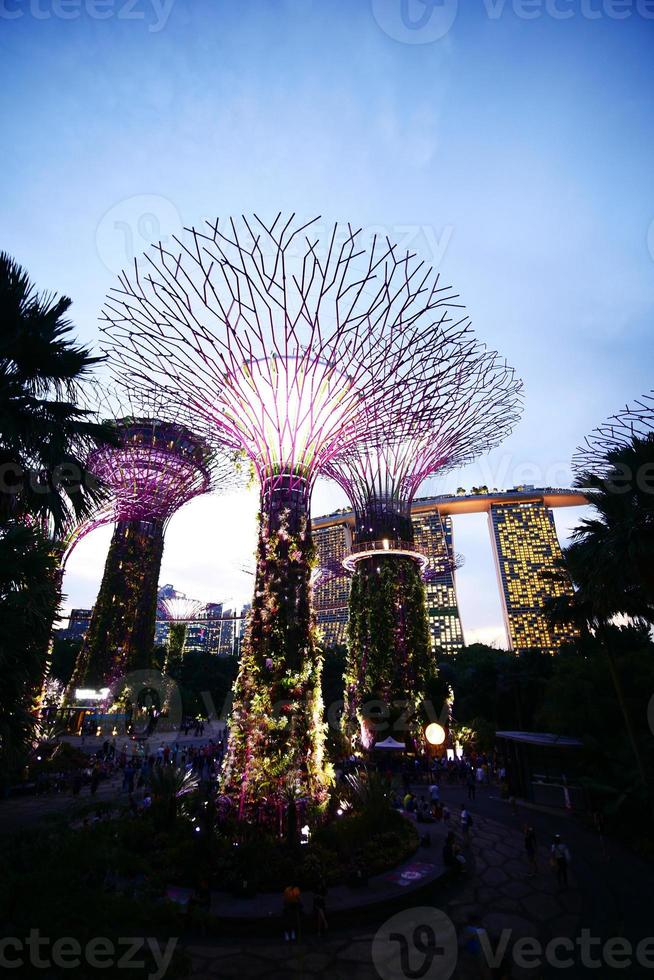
[78,624]
[331,590]
[526,552]
[527,555]
[433,536]
[216,630]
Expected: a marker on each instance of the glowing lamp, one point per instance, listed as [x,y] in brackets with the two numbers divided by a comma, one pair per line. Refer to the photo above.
[435,733]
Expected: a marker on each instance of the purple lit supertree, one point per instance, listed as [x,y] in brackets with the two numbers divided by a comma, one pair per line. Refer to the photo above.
[459,401]
[288,344]
[157,465]
[634,421]
[178,611]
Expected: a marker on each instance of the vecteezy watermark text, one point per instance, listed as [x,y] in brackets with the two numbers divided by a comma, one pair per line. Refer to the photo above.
[153,12]
[423,942]
[426,21]
[99,953]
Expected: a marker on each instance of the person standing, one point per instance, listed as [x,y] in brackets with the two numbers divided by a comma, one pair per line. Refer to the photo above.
[471,783]
[530,848]
[560,859]
[292,908]
[320,907]
[466,824]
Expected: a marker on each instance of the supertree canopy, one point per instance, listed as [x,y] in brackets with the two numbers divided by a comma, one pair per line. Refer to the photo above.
[157,465]
[288,343]
[633,422]
[460,401]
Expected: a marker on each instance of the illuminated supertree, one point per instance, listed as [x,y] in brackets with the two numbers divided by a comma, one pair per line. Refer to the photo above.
[178,611]
[287,344]
[458,402]
[633,422]
[158,465]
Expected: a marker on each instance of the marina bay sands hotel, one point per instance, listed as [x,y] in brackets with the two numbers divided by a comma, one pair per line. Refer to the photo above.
[525,547]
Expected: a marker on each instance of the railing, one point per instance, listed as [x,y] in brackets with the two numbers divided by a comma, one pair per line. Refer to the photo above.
[393,546]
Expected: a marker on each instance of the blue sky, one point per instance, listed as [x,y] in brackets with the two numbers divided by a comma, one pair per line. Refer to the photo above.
[516,153]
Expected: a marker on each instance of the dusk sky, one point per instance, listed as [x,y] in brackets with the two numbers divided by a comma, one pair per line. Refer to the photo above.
[514,152]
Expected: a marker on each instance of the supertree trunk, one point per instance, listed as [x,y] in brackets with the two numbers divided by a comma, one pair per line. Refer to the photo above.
[121,632]
[277,732]
[176,642]
[389,660]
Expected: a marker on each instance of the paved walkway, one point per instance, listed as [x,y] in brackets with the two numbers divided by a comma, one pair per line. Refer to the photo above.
[496,894]
[610,893]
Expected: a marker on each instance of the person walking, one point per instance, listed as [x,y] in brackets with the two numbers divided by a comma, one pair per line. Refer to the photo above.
[471,783]
[95,779]
[466,824]
[560,859]
[320,907]
[530,848]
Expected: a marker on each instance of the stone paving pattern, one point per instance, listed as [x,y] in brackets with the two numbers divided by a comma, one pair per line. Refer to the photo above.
[496,892]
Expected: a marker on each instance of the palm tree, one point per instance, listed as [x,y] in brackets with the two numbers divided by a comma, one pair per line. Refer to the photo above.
[45,437]
[611,561]
[169,786]
[44,434]
[614,550]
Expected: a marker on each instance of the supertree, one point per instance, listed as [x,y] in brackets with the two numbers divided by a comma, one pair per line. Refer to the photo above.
[634,421]
[156,466]
[288,344]
[179,611]
[459,401]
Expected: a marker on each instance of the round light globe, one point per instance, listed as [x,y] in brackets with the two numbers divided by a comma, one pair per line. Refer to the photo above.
[435,734]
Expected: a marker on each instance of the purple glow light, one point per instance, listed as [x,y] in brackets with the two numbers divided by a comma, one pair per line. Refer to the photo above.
[285,344]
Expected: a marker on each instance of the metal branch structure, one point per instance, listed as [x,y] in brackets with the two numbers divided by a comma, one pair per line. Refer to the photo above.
[458,401]
[288,343]
[156,466]
[179,611]
[635,421]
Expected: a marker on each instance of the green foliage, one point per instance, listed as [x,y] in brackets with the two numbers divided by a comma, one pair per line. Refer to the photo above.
[54,880]
[501,687]
[201,672]
[64,655]
[573,693]
[120,635]
[45,435]
[169,786]
[389,656]
[29,595]
[45,438]
[611,558]
[277,731]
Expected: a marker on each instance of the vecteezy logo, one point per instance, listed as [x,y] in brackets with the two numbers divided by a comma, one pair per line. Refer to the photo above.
[129,227]
[415,21]
[418,944]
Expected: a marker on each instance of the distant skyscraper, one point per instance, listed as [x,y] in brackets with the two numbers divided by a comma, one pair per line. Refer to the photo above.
[434,537]
[527,553]
[332,589]
[78,624]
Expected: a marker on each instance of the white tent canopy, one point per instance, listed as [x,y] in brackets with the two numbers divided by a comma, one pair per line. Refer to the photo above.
[390,743]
